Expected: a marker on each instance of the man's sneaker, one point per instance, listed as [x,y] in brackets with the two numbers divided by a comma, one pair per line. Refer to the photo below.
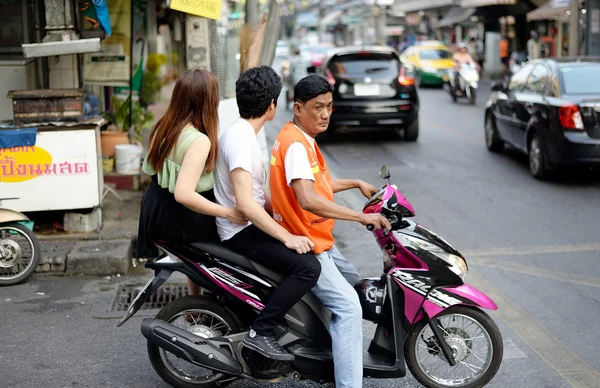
[267,346]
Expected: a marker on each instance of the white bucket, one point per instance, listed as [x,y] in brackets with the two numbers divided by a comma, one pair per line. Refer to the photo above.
[128,159]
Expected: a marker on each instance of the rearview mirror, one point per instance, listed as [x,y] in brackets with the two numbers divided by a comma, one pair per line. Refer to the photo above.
[497,86]
[384,172]
[311,69]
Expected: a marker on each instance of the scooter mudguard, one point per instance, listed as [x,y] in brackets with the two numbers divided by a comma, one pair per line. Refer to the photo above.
[443,298]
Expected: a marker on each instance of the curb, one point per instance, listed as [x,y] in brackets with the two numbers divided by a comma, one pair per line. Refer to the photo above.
[108,252]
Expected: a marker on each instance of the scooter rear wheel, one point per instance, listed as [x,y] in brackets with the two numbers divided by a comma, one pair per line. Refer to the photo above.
[20,253]
[204,317]
[464,329]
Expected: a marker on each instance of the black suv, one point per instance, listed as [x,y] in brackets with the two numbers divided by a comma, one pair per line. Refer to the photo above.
[372,90]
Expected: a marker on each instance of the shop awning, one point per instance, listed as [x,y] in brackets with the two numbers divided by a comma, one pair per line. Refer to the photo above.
[456,15]
[485,3]
[555,9]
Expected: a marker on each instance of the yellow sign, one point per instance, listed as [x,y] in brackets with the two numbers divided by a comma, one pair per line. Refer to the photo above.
[19,164]
[207,8]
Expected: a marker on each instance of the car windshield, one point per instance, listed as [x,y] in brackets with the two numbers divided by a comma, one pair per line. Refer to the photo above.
[581,79]
[359,64]
[435,54]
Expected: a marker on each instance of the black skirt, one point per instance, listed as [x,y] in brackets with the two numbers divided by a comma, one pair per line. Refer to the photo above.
[163,218]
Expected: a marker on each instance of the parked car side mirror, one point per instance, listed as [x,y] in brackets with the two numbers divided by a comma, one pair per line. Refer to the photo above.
[311,69]
[497,86]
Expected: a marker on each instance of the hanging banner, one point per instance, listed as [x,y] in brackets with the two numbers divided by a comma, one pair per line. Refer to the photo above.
[208,8]
[197,42]
[111,66]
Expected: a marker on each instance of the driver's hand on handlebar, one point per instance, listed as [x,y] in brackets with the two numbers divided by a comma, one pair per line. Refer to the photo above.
[300,244]
[377,220]
[366,189]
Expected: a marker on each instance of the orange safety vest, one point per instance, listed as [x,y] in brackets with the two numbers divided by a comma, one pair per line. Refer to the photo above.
[286,208]
[504,48]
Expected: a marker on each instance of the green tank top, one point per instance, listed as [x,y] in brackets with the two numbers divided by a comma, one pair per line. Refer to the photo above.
[167,176]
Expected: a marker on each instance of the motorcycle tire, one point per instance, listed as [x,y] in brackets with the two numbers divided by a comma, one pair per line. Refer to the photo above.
[175,308]
[484,320]
[35,249]
[473,98]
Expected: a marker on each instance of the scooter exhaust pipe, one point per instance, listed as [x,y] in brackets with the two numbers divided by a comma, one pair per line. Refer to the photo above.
[190,347]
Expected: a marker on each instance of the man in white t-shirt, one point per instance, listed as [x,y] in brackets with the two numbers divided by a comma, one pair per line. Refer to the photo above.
[239,181]
[302,191]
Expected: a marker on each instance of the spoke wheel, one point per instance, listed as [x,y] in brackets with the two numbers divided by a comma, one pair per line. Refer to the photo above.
[476,347]
[19,254]
[204,318]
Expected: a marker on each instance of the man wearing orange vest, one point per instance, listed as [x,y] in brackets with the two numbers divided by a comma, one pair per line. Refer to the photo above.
[302,199]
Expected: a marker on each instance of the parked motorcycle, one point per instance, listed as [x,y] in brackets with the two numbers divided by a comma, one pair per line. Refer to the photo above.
[19,247]
[468,82]
[426,316]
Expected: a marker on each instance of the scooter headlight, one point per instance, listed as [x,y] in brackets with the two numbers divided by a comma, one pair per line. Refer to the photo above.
[458,265]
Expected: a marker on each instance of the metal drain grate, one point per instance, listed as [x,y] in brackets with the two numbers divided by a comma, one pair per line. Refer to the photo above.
[166,294]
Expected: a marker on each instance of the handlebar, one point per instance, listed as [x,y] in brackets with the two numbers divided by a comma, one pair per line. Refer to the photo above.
[371,228]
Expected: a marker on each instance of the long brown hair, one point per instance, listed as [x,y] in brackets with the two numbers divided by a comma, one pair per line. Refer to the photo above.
[195,101]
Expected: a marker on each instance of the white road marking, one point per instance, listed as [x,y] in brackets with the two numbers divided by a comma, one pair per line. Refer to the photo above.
[557,355]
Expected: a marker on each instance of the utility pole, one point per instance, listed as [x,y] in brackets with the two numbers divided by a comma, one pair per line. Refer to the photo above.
[592,39]
[267,51]
[574,28]
[252,13]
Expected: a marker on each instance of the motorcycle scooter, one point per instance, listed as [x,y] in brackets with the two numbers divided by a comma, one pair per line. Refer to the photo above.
[426,316]
[19,247]
[468,82]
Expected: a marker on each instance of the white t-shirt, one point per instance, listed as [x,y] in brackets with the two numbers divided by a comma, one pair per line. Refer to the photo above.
[238,148]
[297,164]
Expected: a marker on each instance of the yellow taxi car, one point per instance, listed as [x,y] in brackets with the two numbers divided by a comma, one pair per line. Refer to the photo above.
[430,62]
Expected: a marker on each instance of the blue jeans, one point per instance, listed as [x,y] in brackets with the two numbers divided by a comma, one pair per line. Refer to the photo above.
[335,290]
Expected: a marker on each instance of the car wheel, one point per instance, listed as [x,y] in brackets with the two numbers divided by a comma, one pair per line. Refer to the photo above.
[537,160]
[411,132]
[493,141]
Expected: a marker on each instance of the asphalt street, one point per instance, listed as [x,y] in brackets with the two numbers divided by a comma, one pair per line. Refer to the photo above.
[532,246]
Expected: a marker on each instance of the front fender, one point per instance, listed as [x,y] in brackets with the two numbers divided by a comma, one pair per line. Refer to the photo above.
[443,298]
[7,215]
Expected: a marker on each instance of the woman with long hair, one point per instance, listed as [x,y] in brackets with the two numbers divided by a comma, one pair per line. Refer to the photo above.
[179,204]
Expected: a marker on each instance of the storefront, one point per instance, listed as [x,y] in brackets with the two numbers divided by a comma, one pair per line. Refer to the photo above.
[552,23]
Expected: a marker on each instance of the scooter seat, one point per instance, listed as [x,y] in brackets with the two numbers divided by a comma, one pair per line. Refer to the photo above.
[221,252]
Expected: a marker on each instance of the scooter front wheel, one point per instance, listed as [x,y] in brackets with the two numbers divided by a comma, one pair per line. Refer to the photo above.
[473,96]
[476,346]
[19,253]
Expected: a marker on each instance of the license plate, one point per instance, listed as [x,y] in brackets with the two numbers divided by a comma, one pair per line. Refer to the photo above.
[366,90]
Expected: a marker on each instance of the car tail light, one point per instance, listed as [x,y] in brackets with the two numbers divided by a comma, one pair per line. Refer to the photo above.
[404,80]
[570,117]
[330,77]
